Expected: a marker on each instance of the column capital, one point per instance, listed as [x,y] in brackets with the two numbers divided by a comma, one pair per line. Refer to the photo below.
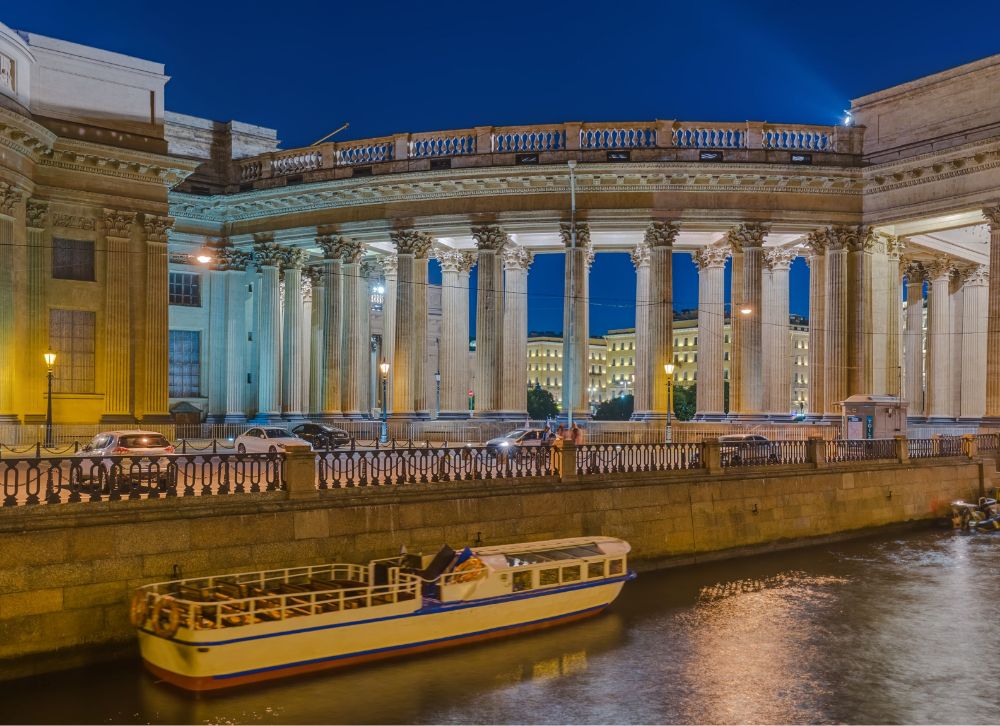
[10,197]
[661,233]
[452,260]
[306,287]
[352,252]
[860,238]
[266,253]
[640,255]
[315,275]
[779,258]
[992,215]
[118,223]
[914,271]
[232,258]
[816,241]
[156,227]
[411,242]
[390,265]
[37,214]
[370,267]
[332,246]
[517,258]
[894,246]
[976,275]
[714,256]
[582,234]
[490,237]
[292,258]
[747,235]
[939,268]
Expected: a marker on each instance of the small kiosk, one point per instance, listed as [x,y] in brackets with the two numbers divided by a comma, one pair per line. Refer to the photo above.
[873,417]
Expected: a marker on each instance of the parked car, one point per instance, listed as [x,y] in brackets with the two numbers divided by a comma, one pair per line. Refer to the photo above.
[322,436]
[515,440]
[740,449]
[144,458]
[266,440]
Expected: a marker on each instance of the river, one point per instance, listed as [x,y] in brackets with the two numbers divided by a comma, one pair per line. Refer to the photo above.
[893,629]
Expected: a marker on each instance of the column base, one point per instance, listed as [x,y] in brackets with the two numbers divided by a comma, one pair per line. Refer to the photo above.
[158,418]
[357,415]
[453,415]
[30,419]
[296,417]
[234,418]
[748,418]
[710,416]
[405,416]
[265,419]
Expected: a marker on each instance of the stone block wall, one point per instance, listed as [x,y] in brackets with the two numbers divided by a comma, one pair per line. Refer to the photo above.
[66,571]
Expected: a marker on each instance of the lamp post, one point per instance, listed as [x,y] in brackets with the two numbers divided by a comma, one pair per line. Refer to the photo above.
[669,369]
[50,360]
[384,434]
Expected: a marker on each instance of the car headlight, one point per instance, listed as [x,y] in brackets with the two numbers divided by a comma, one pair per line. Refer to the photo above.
[505,443]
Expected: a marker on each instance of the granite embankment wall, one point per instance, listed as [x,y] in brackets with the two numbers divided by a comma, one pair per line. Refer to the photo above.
[66,571]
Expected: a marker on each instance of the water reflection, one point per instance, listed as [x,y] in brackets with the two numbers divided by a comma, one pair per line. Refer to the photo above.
[891,630]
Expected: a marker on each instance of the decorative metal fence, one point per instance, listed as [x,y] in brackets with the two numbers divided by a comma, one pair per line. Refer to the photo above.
[860,450]
[762,453]
[59,480]
[628,458]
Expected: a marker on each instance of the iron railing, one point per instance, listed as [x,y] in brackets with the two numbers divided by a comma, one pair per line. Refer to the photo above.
[628,458]
[860,450]
[762,453]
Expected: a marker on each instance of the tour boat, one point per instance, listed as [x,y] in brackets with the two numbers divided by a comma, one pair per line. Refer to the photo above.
[217,632]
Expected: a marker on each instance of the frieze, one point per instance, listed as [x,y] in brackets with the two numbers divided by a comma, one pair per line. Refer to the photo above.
[118,223]
[37,214]
[70,221]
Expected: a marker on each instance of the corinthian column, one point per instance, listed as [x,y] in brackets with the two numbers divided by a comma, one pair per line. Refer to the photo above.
[576,336]
[490,242]
[268,257]
[641,400]
[117,318]
[292,349]
[234,263]
[514,389]
[711,263]
[894,317]
[660,238]
[956,313]
[156,406]
[10,201]
[317,327]
[913,339]
[859,242]
[835,345]
[390,270]
[333,323]
[974,308]
[816,244]
[37,216]
[992,215]
[421,369]
[455,267]
[408,367]
[746,382]
[939,383]
[777,374]
[356,341]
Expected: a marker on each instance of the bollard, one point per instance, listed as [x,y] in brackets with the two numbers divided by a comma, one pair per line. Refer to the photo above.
[299,472]
[902,449]
[816,451]
[567,462]
[711,457]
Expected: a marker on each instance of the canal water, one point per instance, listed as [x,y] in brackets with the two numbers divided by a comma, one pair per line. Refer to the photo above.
[894,629]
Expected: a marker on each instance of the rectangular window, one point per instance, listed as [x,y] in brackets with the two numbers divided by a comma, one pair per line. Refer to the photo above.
[548,577]
[571,574]
[616,567]
[73,259]
[184,364]
[71,338]
[184,288]
[522,580]
[595,569]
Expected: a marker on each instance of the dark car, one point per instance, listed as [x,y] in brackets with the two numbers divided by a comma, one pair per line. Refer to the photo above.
[322,436]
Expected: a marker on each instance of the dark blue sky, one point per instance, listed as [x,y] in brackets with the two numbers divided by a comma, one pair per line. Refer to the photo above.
[304,67]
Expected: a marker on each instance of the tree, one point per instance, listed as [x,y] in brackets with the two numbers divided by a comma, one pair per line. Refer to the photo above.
[615,409]
[685,402]
[541,404]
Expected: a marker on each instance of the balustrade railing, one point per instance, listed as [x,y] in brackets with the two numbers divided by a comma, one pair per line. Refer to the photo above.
[710,136]
[59,480]
[860,450]
[762,453]
[939,446]
[442,143]
[618,136]
[369,151]
[629,458]
[798,138]
[529,138]
[988,442]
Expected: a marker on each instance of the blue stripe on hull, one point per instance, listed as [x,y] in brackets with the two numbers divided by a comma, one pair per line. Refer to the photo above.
[407,646]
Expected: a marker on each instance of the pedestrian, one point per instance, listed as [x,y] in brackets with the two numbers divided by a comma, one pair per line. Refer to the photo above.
[555,449]
[576,434]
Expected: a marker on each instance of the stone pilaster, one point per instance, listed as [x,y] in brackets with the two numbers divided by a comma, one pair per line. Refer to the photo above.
[992,215]
[268,257]
[777,362]
[974,309]
[390,269]
[216,288]
[956,313]
[422,377]
[356,341]
[37,218]
[455,267]
[939,384]
[641,397]
[11,200]
[233,264]
[710,392]
[118,383]
[317,329]
[746,365]
[894,317]
[490,241]
[835,344]
[514,386]
[660,237]
[913,339]
[156,406]
[816,259]
[292,343]
[333,322]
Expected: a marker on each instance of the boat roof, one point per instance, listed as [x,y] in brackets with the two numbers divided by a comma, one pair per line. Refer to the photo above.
[500,557]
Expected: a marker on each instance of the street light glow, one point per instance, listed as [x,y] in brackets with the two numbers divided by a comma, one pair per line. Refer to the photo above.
[746,310]
[203,259]
[668,368]
[50,359]
[384,367]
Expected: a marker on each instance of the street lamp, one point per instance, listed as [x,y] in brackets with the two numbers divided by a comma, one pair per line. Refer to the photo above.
[50,360]
[668,368]
[384,434]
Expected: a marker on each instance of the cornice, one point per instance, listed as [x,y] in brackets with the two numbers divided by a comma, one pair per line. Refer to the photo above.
[21,134]
[141,166]
[512,181]
[933,166]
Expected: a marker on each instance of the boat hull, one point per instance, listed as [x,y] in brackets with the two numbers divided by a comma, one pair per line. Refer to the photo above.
[213,659]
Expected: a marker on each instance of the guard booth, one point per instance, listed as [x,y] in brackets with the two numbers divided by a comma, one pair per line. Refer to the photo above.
[873,417]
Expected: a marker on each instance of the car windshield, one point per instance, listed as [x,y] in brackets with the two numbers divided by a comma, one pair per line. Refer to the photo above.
[143,441]
[278,434]
[514,434]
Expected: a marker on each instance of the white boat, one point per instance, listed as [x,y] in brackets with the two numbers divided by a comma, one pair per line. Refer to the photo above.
[217,632]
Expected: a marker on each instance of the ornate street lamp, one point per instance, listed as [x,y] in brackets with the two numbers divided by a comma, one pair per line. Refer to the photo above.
[50,360]
[384,435]
[669,370]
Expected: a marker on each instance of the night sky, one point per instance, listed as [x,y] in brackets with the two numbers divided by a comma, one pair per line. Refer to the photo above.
[306,67]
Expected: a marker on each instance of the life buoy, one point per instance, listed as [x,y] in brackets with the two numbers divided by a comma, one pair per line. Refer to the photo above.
[166,605]
[471,569]
[139,608]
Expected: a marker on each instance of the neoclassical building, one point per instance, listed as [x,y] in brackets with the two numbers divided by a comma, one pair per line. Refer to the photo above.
[169,259]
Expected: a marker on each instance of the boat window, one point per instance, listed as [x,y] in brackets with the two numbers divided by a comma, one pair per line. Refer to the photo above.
[616,567]
[595,569]
[571,574]
[548,577]
[522,580]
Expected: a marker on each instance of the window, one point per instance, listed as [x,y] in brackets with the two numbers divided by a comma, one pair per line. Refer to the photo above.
[616,567]
[184,364]
[595,569]
[548,577]
[71,338]
[571,574]
[522,580]
[185,289]
[73,259]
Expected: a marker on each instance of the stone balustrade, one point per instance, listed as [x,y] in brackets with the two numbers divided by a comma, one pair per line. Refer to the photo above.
[559,142]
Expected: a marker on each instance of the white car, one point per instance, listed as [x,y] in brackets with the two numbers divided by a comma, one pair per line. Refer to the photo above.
[267,440]
[141,458]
